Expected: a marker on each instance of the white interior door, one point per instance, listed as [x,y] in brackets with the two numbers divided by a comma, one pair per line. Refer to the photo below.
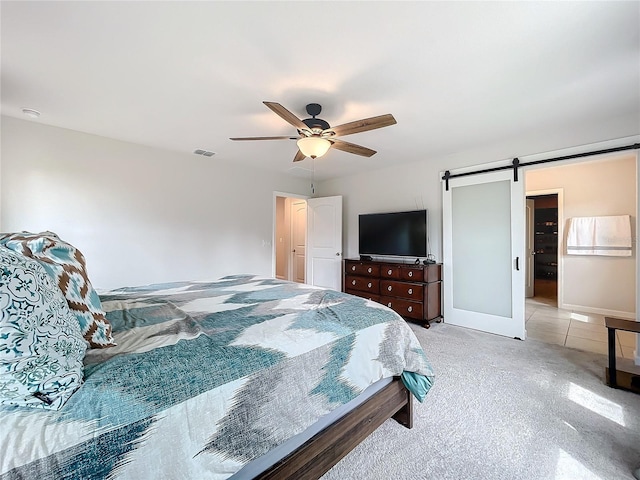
[483,232]
[324,242]
[298,240]
[530,252]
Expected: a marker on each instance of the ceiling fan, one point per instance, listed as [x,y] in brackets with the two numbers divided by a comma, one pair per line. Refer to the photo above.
[316,136]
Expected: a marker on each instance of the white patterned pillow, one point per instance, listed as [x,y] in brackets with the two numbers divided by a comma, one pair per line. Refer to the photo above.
[41,346]
[66,264]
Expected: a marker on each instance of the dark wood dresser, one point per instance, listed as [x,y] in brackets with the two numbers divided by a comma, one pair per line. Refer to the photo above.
[412,290]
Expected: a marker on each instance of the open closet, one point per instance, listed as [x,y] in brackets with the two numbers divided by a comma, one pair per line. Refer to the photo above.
[545,246]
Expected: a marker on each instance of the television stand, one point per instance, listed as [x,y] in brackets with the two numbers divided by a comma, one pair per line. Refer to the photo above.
[412,290]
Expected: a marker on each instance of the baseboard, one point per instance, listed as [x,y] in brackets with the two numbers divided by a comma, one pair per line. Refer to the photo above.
[599,311]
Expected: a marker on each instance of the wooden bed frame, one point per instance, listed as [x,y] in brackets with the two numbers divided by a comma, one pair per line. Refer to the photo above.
[315,457]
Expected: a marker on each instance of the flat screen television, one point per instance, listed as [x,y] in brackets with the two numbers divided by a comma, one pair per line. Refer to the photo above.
[398,234]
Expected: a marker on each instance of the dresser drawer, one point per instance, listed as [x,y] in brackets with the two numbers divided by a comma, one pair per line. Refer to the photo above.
[365,269]
[390,271]
[406,308]
[412,291]
[412,273]
[362,284]
[367,295]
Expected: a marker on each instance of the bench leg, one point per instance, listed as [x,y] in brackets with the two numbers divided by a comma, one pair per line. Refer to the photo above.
[613,381]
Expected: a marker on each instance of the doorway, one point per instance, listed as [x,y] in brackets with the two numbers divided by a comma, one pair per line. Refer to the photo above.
[307,240]
[290,240]
[602,186]
[543,269]
[588,287]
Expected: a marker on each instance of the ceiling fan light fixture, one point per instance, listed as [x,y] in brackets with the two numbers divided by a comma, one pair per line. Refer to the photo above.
[313,147]
[316,136]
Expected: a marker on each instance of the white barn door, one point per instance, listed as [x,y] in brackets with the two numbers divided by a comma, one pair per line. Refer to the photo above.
[484,265]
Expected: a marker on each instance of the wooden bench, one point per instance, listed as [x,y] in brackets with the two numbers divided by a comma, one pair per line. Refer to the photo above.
[612,325]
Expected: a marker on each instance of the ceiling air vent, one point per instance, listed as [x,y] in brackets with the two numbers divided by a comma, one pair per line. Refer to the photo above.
[206,153]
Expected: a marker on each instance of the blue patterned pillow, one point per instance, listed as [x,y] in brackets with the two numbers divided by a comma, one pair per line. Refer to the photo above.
[41,346]
[67,266]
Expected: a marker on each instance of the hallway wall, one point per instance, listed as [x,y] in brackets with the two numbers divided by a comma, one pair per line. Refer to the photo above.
[596,284]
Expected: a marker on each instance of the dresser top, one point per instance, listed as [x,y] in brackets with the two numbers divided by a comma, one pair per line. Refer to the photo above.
[408,263]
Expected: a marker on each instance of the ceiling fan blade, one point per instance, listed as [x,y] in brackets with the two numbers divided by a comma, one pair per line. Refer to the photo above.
[286,115]
[264,138]
[363,125]
[299,156]
[352,148]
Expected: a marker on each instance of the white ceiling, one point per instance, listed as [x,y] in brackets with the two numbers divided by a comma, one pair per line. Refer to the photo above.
[457,76]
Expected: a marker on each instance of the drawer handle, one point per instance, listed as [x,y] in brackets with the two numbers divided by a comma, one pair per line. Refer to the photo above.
[389,288]
[410,291]
[369,284]
[389,272]
[369,270]
[353,268]
[410,309]
[411,274]
[353,282]
[389,304]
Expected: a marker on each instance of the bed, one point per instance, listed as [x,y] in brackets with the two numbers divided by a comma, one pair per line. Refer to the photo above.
[241,377]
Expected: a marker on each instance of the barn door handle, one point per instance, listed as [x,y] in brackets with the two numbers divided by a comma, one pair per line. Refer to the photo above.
[518,263]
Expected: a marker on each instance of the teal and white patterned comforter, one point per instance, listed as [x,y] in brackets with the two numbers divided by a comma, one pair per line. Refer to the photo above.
[208,376]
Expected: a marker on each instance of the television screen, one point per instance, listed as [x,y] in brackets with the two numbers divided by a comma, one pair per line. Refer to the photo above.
[402,234]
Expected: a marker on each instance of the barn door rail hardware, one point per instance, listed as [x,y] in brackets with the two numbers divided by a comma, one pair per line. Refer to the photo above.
[515,163]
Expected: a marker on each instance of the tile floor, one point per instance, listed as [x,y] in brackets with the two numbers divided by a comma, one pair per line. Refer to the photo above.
[583,331]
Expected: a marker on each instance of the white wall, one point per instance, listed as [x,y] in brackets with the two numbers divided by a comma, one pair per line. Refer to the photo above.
[405,187]
[140,215]
[595,284]
[418,185]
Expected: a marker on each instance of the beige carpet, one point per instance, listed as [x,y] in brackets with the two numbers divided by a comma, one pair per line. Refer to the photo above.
[506,409]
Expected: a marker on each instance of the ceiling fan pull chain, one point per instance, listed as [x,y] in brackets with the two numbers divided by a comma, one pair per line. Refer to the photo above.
[313,176]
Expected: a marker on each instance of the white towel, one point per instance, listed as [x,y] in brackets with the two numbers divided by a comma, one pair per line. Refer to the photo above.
[609,235]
